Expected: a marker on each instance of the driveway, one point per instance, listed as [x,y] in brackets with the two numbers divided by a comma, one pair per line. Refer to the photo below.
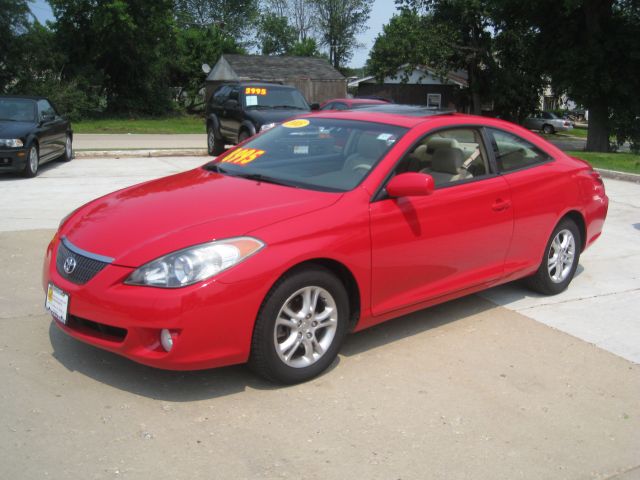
[465,390]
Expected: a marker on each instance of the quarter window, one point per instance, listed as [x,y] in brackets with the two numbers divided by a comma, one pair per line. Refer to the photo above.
[514,153]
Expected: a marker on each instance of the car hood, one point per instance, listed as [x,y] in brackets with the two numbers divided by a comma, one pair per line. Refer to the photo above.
[274,116]
[141,223]
[10,129]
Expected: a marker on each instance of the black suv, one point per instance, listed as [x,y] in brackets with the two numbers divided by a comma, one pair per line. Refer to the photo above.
[237,111]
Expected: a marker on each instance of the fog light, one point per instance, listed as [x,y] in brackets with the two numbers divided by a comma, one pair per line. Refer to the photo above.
[166,340]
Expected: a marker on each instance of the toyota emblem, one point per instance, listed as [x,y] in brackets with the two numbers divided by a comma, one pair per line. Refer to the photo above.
[69,265]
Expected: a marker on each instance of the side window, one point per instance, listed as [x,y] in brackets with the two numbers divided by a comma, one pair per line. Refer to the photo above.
[340,106]
[513,152]
[328,106]
[448,156]
[45,110]
[234,94]
[220,95]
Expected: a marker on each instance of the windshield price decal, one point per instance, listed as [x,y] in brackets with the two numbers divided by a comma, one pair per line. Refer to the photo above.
[242,156]
[299,123]
[255,91]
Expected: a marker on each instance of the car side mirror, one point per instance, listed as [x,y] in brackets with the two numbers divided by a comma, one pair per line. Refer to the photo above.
[231,103]
[410,185]
[315,106]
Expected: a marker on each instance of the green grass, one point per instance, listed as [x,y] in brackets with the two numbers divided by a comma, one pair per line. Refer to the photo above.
[575,132]
[166,125]
[621,162]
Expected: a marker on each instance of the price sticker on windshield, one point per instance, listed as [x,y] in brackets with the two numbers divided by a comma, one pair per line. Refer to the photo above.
[299,123]
[242,156]
[255,91]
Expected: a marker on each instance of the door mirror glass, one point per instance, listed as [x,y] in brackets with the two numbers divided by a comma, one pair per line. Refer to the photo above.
[410,185]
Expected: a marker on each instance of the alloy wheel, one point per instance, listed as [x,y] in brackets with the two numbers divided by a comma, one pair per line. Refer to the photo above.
[561,256]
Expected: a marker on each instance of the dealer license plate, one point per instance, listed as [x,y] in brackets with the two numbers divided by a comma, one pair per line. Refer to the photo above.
[57,303]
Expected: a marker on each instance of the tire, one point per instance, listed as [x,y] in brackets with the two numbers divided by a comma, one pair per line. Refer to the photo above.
[548,129]
[243,136]
[67,156]
[214,146]
[33,162]
[561,258]
[290,347]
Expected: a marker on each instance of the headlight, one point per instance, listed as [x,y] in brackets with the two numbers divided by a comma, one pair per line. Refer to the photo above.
[267,126]
[194,264]
[11,142]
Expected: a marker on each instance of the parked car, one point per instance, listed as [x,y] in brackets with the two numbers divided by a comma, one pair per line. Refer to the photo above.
[349,103]
[237,111]
[32,132]
[547,122]
[323,225]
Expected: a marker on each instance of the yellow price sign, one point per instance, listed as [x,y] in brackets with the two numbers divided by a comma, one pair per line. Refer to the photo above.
[242,156]
[299,123]
[255,91]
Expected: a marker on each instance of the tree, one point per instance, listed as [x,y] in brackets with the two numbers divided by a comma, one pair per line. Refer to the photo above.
[595,60]
[236,17]
[338,23]
[300,14]
[123,46]
[305,48]
[14,22]
[275,34]
[196,46]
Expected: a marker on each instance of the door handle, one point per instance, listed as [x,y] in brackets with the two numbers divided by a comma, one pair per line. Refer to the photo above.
[500,205]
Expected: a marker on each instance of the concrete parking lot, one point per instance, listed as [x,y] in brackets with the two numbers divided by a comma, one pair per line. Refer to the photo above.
[503,385]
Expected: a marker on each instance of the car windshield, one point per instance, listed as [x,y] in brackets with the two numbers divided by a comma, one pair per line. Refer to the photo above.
[273,97]
[316,153]
[17,110]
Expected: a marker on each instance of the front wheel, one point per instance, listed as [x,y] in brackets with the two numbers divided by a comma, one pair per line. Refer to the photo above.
[560,261]
[68,150]
[300,326]
[33,161]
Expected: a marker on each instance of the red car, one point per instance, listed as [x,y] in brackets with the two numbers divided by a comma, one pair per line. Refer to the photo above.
[324,225]
[350,103]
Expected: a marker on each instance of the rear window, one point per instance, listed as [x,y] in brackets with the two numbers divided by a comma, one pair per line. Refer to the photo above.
[320,154]
[272,97]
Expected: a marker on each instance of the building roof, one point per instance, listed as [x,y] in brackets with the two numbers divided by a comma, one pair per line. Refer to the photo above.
[269,68]
[420,73]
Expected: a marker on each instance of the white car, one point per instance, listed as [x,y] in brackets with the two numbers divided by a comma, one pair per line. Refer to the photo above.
[547,122]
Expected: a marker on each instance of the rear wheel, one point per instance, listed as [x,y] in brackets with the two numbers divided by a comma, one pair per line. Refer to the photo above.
[548,129]
[214,146]
[33,162]
[300,326]
[560,261]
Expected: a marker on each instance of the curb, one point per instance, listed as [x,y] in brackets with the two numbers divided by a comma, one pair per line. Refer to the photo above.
[194,152]
[615,175]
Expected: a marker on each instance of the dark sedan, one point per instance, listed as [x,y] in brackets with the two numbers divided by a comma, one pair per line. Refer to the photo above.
[31,133]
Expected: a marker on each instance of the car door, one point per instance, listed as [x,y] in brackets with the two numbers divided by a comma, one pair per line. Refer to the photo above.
[535,183]
[232,114]
[46,130]
[218,99]
[424,247]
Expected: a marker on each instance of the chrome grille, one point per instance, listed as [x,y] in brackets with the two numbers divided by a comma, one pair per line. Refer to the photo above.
[85,267]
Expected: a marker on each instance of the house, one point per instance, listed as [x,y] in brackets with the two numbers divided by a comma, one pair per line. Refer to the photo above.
[419,86]
[314,77]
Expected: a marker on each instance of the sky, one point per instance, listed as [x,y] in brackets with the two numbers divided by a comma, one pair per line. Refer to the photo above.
[381,12]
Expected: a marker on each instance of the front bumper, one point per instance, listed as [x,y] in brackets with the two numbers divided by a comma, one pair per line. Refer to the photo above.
[13,160]
[213,321]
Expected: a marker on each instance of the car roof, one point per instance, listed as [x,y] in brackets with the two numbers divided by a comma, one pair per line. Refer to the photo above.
[369,101]
[398,119]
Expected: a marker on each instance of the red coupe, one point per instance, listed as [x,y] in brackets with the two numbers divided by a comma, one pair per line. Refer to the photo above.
[324,225]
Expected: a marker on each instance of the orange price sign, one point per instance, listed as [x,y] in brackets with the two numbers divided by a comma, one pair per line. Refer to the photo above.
[255,91]
[242,156]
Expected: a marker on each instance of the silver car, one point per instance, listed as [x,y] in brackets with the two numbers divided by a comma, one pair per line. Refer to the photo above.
[547,122]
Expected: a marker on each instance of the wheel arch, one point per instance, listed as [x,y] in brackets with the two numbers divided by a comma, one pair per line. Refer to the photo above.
[578,219]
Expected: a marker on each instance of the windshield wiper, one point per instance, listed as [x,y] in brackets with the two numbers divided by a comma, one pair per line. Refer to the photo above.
[258,177]
[288,106]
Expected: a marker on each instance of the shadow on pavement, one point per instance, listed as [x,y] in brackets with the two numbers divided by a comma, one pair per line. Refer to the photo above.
[52,165]
[124,374]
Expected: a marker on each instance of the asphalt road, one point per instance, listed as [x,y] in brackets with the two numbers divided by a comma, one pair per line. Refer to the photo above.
[465,390]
